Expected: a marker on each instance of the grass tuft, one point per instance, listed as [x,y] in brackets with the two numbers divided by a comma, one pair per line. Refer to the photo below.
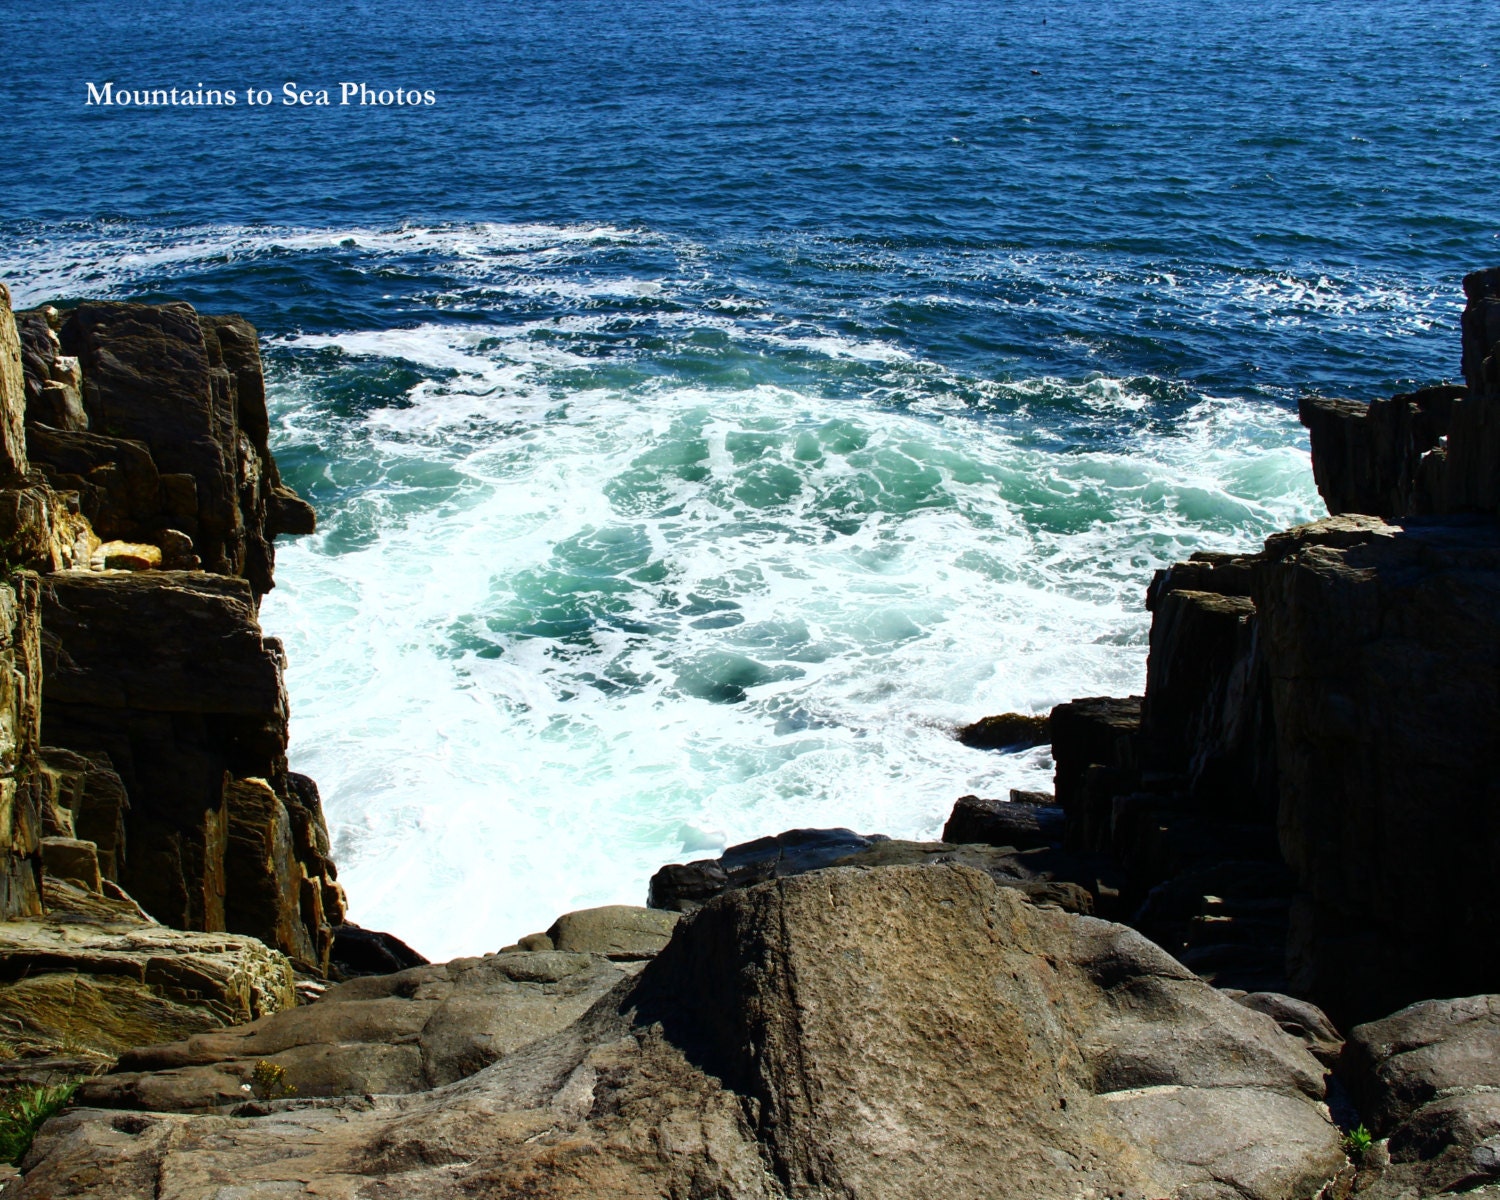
[22,1111]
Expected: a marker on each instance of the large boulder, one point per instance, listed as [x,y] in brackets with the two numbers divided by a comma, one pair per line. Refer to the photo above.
[889,1033]
[1383,649]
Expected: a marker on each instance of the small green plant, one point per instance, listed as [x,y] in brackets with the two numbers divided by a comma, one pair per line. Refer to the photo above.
[269,1081]
[1357,1141]
[22,1111]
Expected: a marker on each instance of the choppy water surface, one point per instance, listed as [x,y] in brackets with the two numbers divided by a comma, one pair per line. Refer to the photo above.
[707,407]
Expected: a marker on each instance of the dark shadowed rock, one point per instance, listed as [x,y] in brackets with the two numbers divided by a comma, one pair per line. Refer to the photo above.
[1003,823]
[1383,645]
[83,796]
[1008,731]
[53,380]
[185,394]
[1428,1078]
[1093,734]
[148,377]
[219,834]
[358,951]
[1425,453]
[1046,875]
[684,886]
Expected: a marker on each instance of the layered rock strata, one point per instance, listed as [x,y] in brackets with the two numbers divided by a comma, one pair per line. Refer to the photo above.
[95,976]
[142,714]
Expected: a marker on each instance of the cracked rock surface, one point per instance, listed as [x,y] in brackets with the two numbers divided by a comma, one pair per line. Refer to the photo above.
[889,1032]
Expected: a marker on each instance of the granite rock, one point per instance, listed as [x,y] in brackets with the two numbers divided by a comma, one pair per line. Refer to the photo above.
[895,1033]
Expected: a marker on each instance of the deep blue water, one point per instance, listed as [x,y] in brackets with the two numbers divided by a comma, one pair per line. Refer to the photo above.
[1058,164]
[707,405]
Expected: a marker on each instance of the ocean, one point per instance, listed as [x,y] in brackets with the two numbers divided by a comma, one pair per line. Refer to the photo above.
[708,407]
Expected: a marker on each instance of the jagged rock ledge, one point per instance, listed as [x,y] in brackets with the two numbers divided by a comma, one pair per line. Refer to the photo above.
[157,853]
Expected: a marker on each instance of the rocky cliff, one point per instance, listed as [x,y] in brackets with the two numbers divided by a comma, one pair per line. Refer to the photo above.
[143,718]
[1309,785]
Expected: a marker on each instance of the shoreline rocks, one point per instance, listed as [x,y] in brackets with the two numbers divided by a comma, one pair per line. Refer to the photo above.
[142,713]
[1303,800]
[879,1032]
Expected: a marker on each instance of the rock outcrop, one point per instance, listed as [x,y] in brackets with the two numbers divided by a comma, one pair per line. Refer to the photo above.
[173,440]
[1305,797]
[95,976]
[220,836]
[1426,453]
[391,1034]
[890,1032]
[1427,1079]
[142,714]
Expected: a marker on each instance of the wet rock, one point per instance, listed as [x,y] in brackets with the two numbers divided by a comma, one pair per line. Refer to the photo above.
[893,1033]
[1008,731]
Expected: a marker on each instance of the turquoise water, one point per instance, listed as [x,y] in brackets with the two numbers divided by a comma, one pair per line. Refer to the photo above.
[709,408]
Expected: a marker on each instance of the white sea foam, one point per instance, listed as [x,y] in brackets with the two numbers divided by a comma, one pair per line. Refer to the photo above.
[564,770]
[516,642]
[106,259]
